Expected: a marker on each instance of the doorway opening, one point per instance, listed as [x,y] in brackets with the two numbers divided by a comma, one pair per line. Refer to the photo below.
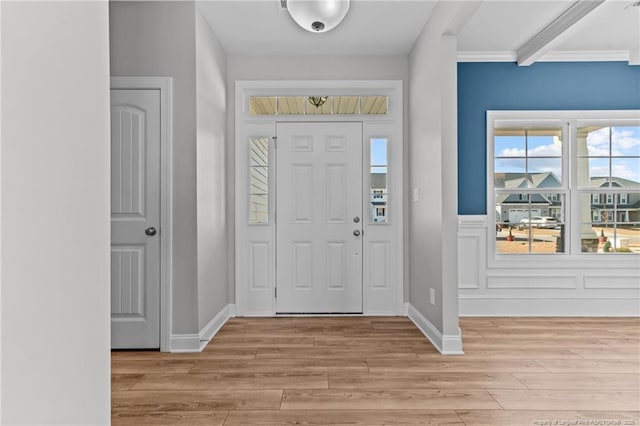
[319,198]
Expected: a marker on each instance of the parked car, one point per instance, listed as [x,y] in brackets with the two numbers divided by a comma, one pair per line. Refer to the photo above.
[538,222]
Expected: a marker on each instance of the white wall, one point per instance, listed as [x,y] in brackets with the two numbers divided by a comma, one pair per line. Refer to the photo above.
[302,68]
[211,67]
[55,213]
[433,174]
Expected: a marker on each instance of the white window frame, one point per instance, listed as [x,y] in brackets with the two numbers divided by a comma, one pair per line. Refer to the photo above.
[569,120]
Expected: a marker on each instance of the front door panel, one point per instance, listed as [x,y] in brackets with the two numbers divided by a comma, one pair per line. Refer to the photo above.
[319,218]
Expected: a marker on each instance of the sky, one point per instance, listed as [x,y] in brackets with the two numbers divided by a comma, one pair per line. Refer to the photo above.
[379,155]
[545,153]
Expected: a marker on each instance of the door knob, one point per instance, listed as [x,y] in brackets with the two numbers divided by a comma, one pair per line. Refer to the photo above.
[150,231]
[356,232]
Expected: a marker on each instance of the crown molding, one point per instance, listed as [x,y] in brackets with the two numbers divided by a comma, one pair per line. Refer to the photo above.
[486,56]
[585,56]
[554,56]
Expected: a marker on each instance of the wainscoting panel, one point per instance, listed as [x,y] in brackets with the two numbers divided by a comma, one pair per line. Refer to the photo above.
[541,286]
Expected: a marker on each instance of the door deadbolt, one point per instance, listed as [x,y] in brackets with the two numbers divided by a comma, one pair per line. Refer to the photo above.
[150,231]
[356,219]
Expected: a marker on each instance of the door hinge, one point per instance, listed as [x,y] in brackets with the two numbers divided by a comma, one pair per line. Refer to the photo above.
[275,141]
[276,291]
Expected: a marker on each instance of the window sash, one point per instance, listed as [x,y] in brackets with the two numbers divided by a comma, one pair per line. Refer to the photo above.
[571,121]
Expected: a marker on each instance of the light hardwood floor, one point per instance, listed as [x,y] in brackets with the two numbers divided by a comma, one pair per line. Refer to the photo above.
[382,371]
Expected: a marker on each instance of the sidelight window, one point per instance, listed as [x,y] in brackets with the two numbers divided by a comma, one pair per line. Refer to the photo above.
[259,180]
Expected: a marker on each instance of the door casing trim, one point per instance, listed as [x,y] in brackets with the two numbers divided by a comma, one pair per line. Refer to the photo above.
[259,300]
[165,86]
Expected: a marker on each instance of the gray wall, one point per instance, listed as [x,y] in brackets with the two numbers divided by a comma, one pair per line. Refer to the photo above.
[157,39]
[433,171]
[55,213]
[171,39]
[303,68]
[211,67]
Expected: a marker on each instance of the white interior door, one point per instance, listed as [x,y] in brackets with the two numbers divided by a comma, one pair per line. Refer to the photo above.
[135,218]
[319,218]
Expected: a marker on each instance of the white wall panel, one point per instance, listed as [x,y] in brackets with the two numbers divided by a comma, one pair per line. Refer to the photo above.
[258,265]
[532,280]
[559,286]
[469,261]
[379,262]
[611,282]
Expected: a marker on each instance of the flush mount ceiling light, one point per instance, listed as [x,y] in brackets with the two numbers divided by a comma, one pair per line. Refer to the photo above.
[317,101]
[317,16]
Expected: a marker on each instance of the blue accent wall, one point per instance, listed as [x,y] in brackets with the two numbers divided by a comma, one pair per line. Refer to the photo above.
[541,86]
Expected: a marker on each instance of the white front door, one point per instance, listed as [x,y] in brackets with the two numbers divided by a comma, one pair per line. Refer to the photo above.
[135,218]
[319,218]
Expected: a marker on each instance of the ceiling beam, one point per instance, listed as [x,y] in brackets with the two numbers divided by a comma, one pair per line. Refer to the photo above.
[529,52]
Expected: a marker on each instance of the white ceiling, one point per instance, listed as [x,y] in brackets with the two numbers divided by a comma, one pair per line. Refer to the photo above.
[390,27]
[250,27]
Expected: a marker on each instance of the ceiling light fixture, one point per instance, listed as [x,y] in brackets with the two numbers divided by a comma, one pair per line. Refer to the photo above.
[317,16]
[317,101]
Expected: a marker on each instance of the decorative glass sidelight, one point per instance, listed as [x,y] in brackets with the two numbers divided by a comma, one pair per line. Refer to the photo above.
[258,180]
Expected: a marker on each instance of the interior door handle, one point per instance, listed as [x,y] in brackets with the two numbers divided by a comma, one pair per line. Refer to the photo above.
[356,232]
[150,231]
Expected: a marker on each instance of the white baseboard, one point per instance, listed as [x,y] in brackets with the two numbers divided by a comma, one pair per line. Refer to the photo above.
[216,323]
[185,343]
[445,344]
[471,306]
[197,342]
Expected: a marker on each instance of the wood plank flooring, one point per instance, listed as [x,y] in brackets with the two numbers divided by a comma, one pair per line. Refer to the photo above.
[382,371]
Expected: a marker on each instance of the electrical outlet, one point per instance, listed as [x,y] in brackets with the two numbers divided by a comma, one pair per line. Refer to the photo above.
[432,296]
[416,195]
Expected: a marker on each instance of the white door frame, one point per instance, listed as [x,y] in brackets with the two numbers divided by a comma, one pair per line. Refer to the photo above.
[165,86]
[255,244]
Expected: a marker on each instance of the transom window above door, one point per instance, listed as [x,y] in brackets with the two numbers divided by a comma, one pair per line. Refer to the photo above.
[318,105]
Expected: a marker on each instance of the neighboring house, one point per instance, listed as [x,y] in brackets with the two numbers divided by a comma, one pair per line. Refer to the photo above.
[378,197]
[515,207]
[619,207]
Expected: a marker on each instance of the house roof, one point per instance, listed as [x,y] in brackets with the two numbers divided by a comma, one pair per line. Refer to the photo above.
[515,199]
[519,180]
[603,181]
